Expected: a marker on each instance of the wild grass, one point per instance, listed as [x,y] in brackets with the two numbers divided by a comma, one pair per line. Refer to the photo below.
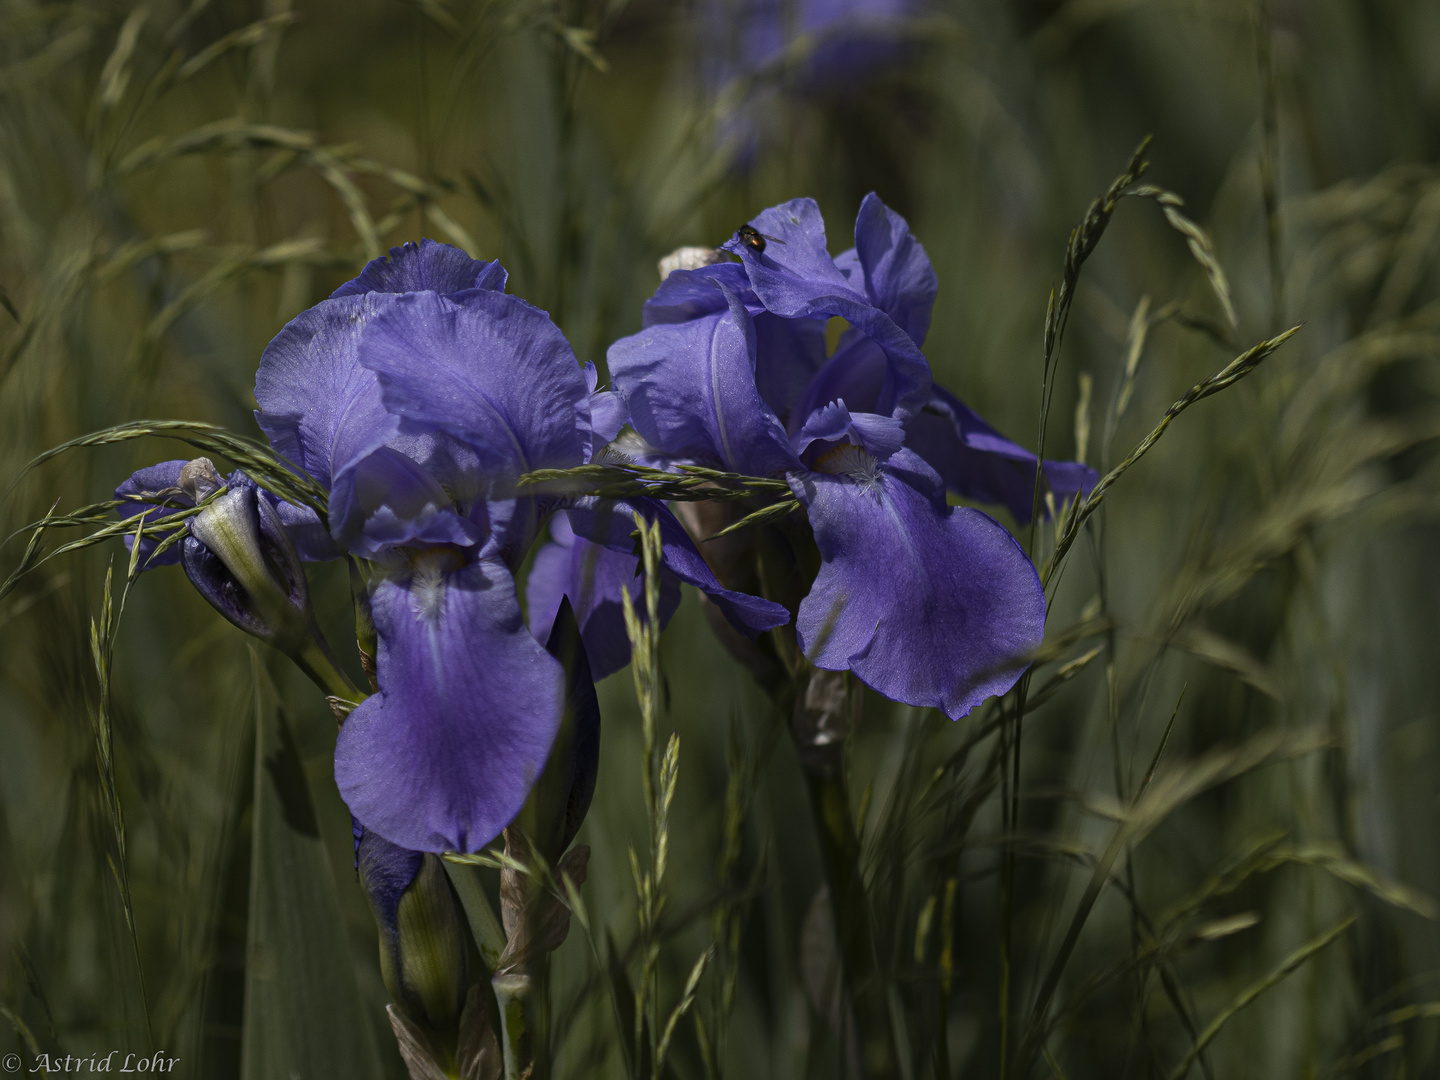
[1200,839]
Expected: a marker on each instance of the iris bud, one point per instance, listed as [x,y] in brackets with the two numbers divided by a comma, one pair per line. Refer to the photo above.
[240,558]
[422,936]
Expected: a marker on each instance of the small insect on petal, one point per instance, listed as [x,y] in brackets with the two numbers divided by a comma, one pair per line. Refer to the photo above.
[754,239]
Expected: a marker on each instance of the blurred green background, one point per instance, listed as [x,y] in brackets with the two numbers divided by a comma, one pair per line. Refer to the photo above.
[179,180]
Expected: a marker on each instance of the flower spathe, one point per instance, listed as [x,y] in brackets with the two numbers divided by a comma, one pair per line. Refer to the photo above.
[930,604]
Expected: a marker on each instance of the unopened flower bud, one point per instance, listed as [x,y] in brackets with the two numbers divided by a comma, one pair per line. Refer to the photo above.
[240,557]
[422,935]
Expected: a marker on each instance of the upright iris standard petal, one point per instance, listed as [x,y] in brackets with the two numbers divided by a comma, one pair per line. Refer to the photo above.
[977,462]
[491,371]
[929,604]
[425,267]
[318,406]
[443,757]
[795,277]
[691,390]
[898,277]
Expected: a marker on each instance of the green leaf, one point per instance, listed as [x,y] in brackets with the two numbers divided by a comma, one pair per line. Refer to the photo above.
[304,1017]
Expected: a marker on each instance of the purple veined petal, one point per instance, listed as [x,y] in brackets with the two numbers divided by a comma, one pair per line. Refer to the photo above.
[153,478]
[610,523]
[898,276]
[592,576]
[443,757]
[486,368]
[931,605]
[690,294]
[880,436]
[319,407]
[977,462]
[796,278]
[425,267]
[692,392]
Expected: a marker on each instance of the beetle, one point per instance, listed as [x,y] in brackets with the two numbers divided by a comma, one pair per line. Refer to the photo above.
[754,239]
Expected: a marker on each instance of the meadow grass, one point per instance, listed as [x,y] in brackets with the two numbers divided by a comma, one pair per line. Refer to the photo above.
[1199,838]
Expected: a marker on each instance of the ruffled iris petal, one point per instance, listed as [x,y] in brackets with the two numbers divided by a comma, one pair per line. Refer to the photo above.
[426,266]
[445,755]
[488,369]
[692,392]
[977,462]
[929,604]
[319,407]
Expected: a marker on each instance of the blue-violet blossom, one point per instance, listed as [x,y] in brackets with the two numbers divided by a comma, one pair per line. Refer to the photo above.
[417,395]
[928,603]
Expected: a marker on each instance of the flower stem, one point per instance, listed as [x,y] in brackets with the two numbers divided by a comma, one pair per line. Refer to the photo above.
[840,848]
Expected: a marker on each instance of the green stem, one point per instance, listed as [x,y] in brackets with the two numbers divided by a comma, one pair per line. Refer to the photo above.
[840,848]
[512,994]
[313,657]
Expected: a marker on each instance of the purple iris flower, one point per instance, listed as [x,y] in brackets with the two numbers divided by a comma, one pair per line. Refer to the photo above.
[848,38]
[803,48]
[928,603]
[417,395]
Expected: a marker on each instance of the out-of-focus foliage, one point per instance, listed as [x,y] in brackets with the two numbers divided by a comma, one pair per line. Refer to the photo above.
[1257,598]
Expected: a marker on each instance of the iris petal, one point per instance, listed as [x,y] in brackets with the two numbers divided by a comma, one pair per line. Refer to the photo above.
[426,266]
[491,371]
[929,604]
[593,577]
[899,279]
[692,392]
[795,277]
[977,462]
[445,755]
[151,479]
